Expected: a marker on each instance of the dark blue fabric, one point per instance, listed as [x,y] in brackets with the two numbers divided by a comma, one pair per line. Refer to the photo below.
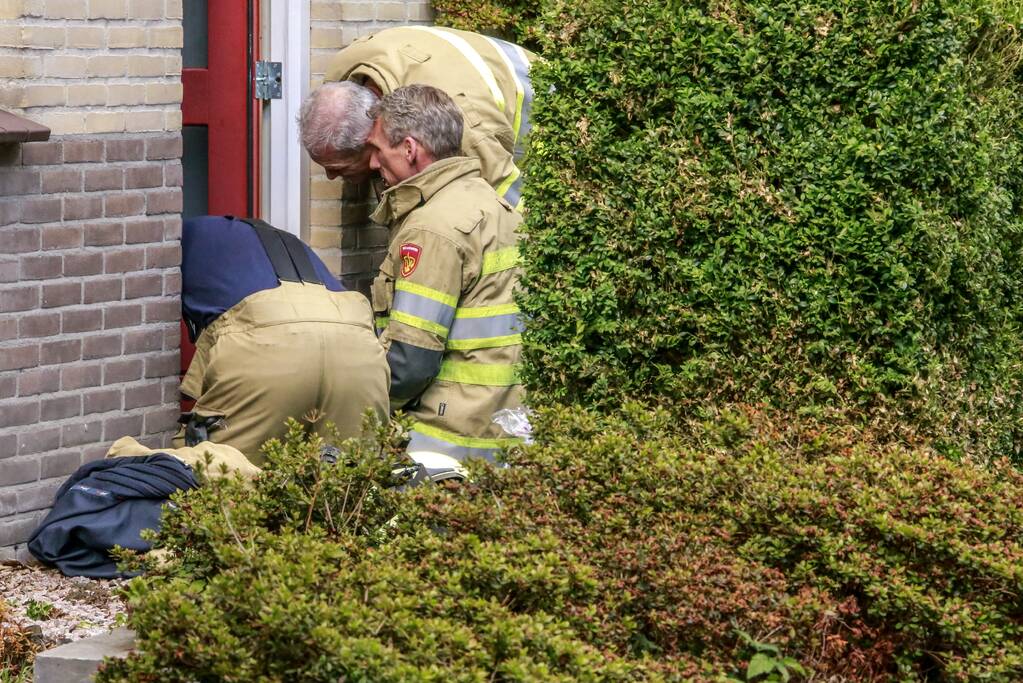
[222,262]
[106,503]
[412,369]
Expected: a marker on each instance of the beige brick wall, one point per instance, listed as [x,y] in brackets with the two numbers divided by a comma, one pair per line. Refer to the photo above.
[92,66]
[339,227]
[90,225]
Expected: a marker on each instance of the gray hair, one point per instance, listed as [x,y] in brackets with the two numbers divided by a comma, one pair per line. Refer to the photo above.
[334,118]
[423,113]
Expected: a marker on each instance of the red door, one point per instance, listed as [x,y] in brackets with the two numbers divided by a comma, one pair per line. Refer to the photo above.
[218,114]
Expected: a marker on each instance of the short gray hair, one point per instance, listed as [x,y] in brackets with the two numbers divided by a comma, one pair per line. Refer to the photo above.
[334,118]
[423,113]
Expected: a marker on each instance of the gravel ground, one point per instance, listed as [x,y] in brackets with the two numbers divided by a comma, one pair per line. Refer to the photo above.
[63,609]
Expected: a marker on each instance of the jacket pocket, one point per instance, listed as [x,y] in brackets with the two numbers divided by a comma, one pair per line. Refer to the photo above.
[382,294]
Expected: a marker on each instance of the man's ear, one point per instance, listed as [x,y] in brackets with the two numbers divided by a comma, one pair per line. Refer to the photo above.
[411,149]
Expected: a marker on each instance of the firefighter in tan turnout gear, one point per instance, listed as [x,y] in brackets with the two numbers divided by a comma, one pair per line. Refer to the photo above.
[443,299]
[276,337]
[487,78]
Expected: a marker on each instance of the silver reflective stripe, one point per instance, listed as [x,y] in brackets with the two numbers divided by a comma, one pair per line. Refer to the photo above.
[422,307]
[520,64]
[479,328]
[422,442]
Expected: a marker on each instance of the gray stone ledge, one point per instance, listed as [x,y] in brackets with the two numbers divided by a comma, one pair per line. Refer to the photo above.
[77,662]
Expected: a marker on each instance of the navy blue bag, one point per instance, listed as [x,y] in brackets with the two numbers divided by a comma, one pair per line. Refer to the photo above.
[106,503]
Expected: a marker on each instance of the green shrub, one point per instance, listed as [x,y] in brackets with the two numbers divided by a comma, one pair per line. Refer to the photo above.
[514,20]
[813,204]
[621,549]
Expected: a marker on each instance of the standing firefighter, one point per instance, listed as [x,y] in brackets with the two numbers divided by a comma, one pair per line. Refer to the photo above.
[487,78]
[443,299]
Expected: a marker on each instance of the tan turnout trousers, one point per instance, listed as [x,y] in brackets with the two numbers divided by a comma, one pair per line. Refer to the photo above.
[297,350]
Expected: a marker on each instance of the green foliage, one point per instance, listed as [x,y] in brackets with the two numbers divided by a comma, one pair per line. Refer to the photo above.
[38,610]
[629,548]
[768,664]
[817,205]
[514,20]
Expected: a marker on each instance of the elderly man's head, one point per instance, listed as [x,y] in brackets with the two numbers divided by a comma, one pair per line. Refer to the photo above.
[413,126]
[334,122]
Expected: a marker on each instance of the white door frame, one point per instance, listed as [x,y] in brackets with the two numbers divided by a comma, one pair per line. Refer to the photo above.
[285,176]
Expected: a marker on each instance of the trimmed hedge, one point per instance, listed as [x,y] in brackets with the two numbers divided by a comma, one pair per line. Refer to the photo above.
[813,204]
[514,20]
[621,549]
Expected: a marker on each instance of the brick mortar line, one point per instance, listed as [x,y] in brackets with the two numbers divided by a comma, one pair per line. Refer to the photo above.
[72,222]
[106,109]
[79,419]
[71,336]
[88,279]
[78,137]
[77,308]
[70,51]
[87,165]
[109,22]
[86,194]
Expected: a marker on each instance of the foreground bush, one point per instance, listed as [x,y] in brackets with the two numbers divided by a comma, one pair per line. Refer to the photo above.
[621,549]
[804,203]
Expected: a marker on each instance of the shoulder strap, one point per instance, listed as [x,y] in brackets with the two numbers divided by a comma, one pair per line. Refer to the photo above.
[287,254]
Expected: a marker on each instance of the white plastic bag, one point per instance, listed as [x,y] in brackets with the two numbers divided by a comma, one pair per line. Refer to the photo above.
[515,422]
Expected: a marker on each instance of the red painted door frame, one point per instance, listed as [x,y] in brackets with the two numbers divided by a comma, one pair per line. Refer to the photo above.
[220,97]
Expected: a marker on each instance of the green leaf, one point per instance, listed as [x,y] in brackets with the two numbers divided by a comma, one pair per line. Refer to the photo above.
[760,665]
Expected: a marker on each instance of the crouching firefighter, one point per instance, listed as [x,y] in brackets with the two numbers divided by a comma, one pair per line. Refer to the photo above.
[276,337]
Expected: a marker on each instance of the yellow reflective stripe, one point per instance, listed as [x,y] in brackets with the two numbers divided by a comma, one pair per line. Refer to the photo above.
[459,440]
[478,373]
[381,321]
[508,182]
[502,259]
[483,342]
[434,294]
[520,90]
[521,205]
[470,54]
[419,323]
[486,311]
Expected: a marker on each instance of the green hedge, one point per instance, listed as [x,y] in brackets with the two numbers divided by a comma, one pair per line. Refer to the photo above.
[514,20]
[813,204]
[621,549]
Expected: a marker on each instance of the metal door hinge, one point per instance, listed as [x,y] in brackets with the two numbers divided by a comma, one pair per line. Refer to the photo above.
[268,80]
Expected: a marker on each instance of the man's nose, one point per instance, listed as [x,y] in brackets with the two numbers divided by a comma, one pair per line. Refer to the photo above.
[374,164]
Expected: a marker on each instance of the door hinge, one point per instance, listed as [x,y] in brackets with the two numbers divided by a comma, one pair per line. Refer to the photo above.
[268,80]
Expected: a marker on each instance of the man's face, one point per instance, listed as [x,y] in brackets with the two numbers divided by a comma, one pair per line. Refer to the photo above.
[353,167]
[394,163]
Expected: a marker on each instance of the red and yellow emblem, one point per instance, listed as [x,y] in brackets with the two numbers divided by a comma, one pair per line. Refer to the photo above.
[409,258]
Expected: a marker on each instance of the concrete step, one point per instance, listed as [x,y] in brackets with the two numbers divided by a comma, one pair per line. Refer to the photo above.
[77,662]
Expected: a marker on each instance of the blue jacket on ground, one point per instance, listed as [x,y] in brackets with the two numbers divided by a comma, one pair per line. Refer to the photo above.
[106,503]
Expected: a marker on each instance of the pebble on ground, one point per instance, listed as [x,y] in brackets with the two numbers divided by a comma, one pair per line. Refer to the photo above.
[58,608]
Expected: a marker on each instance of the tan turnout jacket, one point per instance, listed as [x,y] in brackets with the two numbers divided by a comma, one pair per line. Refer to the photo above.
[487,78]
[446,286]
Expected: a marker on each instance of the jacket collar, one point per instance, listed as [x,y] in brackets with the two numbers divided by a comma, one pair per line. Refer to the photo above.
[398,201]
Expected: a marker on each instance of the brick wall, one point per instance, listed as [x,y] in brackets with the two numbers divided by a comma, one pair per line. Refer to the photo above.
[340,230]
[89,241]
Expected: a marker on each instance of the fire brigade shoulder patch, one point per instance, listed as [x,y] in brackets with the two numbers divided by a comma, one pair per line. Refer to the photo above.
[409,258]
